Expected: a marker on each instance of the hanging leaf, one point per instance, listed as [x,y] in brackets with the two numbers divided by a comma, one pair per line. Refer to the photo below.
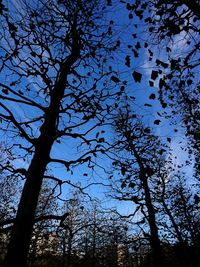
[109,2]
[161,63]
[150,53]
[147,130]
[162,83]
[174,64]
[115,79]
[137,76]
[129,7]
[157,122]
[164,105]
[123,170]
[131,185]
[168,49]
[139,13]
[130,16]
[135,53]
[138,46]
[13,83]
[154,75]
[152,96]
[151,29]
[151,83]
[127,61]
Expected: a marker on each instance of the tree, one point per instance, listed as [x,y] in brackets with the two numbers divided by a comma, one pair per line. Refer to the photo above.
[140,150]
[49,50]
[185,205]
[181,206]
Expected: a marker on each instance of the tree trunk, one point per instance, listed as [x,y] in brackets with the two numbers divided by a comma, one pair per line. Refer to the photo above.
[23,226]
[154,238]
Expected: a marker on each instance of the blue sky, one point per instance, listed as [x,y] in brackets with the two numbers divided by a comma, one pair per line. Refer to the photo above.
[67,149]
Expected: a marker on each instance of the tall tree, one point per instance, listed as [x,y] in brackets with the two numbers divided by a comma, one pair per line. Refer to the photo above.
[49,49]
[140,150]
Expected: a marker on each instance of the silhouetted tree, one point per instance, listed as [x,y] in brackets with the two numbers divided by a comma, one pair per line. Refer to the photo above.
[49,50]
[139,150]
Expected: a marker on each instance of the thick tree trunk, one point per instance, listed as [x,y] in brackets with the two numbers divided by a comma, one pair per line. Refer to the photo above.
[23,226]
[22,230]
